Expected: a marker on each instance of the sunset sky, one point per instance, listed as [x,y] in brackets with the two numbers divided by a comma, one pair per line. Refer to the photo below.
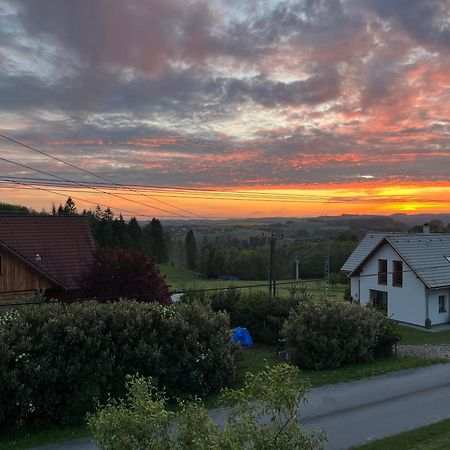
[227,108]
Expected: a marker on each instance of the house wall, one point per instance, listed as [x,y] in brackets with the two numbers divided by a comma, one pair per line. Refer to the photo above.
[406,303]
[433,306]
[17,278]
[354,288]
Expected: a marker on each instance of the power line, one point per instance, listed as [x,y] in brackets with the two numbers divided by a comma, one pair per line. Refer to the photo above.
[418,270]
[89,187]
[31,187]
[76,198]
[180,192]
[177,192]
[185,291]
[34,149]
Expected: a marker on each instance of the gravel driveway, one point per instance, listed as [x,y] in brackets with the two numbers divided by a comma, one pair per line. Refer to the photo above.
[438,350]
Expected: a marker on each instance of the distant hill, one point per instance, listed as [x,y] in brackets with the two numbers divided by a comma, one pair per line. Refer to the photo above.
[411,220]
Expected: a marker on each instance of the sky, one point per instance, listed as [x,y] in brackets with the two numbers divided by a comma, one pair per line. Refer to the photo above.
[227,108]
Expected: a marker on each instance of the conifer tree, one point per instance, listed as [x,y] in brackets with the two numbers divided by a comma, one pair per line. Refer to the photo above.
[154,241]
[135,232]
[191,250]
[70,208]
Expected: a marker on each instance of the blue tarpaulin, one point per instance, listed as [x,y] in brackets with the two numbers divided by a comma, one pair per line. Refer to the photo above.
[242,336]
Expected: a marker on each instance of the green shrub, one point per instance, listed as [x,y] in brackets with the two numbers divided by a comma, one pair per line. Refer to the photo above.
[264,416]
[328,334]
[257,311]
[55,358]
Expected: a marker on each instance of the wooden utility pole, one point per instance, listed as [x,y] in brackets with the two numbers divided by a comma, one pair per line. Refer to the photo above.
[272,267]
[326,281]
[297,262]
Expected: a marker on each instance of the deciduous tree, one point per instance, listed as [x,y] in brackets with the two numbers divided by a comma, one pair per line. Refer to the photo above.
[119,273]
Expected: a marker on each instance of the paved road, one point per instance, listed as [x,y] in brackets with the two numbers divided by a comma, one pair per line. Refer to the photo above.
[358,412]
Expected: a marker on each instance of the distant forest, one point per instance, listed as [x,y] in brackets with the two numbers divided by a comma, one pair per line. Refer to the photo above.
[215,250]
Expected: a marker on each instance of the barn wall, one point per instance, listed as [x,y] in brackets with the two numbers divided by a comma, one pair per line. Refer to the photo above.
[18,278]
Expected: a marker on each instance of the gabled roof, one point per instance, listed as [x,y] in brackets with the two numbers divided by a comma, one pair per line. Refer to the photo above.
[61,248]
[425,254]
[364,248]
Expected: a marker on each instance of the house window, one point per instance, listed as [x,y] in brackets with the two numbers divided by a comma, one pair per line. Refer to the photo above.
[379,299]
[382,271]
[442,306]
[397,273]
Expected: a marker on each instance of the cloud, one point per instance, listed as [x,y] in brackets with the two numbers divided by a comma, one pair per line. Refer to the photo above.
[221,92]
[427,21]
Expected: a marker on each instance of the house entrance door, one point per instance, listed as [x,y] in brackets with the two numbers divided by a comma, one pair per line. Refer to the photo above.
[379,299]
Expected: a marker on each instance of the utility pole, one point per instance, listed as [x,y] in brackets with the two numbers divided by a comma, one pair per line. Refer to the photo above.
[326,272]
[273,265]
[272,268]
[297,262]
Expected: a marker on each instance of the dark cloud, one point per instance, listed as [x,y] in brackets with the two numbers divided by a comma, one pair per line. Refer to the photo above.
[318,88]
[425,20]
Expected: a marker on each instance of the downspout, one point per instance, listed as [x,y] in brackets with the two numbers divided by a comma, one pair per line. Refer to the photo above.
[448,303]
[427,315]
[359,290]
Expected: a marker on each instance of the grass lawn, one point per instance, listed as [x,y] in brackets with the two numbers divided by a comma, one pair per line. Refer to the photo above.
[414,336]
[183,279]
[253,360]
[431,437]
[35,437]
[258,357]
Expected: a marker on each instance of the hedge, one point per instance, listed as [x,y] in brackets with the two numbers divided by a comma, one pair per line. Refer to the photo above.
[330,333]
[257,311]
[54,359]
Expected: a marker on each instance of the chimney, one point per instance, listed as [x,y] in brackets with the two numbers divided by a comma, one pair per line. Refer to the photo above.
[426,228]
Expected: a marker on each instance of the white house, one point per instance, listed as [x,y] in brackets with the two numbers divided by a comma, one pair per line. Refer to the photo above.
[406,275]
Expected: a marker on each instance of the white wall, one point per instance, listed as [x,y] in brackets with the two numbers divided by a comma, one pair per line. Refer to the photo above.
[406,303]
[433,306]
[354,288]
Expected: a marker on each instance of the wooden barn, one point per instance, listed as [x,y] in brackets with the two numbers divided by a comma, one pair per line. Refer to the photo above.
[49,253]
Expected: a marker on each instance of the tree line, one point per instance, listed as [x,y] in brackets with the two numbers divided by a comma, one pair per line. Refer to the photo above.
[109,230]
[248,261]
[214,261]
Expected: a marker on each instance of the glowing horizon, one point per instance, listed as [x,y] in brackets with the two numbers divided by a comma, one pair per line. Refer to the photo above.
[310,201]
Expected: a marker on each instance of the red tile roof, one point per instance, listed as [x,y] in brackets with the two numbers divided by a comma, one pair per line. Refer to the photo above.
[61,248]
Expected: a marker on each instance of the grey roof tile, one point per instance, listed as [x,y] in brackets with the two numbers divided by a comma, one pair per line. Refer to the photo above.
[424,253]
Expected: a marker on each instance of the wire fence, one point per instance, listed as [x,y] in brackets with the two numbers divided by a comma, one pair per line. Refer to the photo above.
[43,301]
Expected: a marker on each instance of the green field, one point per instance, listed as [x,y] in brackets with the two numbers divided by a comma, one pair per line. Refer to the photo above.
[431,437]
[414,336]
[180,279]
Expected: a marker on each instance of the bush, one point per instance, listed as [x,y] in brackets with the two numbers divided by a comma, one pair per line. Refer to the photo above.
[262,314]
[119,273]
[264,416]
[55,358]
[328,334]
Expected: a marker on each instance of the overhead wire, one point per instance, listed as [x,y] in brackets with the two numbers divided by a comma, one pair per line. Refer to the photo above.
[89,187]
[34,149]
[133,213]
[220,196]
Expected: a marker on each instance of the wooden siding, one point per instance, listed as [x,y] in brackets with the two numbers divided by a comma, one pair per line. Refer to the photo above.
[18,278]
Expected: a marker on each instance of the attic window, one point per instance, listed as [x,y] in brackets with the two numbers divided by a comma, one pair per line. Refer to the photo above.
[397,273]
[382,271]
